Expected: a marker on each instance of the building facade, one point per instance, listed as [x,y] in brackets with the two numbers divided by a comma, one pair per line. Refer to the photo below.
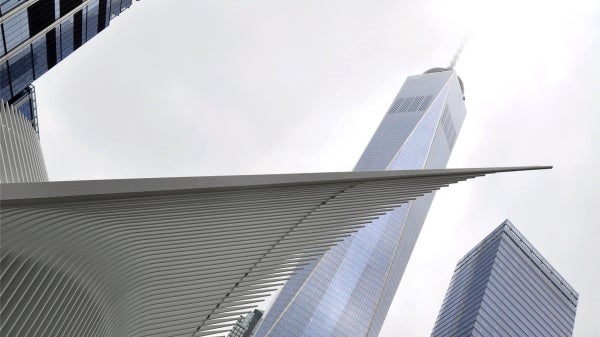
[504,287]
[348,291]
[245,325]
[21,157]
[37,34]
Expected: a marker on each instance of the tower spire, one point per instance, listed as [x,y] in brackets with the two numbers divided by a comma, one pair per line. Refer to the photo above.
[457,54]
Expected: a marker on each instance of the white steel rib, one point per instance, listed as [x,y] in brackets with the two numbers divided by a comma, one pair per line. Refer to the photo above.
[21,158]
[177,256]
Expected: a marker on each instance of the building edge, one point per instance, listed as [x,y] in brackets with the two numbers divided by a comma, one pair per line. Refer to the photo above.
[21,157]
[534,256]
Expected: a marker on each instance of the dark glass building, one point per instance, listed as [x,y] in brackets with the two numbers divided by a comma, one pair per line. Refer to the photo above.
[37,34]
[504,287]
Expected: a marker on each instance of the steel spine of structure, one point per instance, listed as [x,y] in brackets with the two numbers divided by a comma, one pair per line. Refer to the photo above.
[21,158]
[177,256]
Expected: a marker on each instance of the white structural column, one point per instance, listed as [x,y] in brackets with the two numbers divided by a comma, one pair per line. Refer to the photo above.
[21,158]
[177,256]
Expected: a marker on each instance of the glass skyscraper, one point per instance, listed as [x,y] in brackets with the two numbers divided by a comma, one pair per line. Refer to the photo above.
[348,291]
[36,35]
[246,324]
[504,287]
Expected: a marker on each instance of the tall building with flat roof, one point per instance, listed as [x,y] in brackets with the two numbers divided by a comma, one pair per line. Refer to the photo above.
[37,34]
[505,287]
[349,290]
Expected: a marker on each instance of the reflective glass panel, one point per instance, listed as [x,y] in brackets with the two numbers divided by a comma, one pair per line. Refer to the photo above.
[16,30]
[40,57]
[66,37]
[7,5]
[21,70]
[4,82]
[92,20]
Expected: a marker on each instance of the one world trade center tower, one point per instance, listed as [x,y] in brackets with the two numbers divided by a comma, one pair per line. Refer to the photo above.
[348,291]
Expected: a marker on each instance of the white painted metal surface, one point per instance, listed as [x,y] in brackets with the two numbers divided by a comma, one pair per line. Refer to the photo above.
[180,256]
[21,158]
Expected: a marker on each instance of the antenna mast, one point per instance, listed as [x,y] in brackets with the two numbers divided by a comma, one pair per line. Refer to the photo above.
[458,52]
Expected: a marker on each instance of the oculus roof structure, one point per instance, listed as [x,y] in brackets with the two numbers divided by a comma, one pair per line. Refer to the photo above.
[177,256]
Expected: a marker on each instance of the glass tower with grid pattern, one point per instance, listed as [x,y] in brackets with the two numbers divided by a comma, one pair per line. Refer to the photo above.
[37,34]
[245,325]
[348,291]
[504,287]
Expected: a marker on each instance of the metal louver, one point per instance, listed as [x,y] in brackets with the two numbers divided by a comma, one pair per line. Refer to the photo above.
[177,256]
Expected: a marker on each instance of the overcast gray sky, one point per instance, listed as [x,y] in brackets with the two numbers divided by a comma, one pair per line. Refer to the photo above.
[194,87]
